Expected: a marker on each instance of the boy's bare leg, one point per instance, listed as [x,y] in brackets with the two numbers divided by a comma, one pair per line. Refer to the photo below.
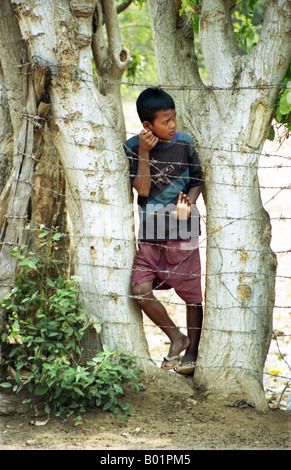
[154,309]
[194,325]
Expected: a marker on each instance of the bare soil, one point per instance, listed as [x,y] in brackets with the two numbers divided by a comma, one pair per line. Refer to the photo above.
[179,420]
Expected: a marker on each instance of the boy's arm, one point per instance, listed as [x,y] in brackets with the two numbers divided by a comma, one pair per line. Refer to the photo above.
[142,181]
[194,193]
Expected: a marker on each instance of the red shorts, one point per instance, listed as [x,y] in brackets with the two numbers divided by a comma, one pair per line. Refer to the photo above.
[170,265]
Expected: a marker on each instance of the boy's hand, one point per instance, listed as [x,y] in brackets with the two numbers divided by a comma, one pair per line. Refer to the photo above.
[147,140]
[183,207]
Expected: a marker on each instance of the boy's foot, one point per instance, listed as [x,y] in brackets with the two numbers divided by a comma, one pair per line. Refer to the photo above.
[187,365]
[185,368]
[176,348]
[170,362]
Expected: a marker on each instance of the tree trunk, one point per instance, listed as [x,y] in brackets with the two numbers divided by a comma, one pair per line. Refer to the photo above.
[240,279]
[86,125]
[229,123]
[24,112]
[18,187]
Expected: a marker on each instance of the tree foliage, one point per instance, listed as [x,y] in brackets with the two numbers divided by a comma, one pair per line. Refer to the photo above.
[137,35]
[247,16]
[247,22]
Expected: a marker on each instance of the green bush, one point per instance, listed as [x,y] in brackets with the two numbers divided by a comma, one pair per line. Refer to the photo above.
[43,345]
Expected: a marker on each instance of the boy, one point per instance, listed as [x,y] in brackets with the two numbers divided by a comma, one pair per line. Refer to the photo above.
[165,172]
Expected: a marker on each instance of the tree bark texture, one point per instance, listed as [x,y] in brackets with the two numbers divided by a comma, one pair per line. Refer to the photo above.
[229,122]
[86,126]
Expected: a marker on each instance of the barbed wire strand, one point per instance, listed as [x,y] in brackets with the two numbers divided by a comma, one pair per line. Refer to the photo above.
[276,336]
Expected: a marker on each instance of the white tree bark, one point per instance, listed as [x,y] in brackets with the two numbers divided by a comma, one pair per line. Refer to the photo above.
[87,132]
[229,123]
[23,113]
[16,193]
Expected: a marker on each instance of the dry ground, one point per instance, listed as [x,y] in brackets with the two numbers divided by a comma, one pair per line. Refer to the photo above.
[160,420]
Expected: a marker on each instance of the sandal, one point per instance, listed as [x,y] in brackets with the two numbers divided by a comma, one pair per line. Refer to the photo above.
[185,369]
[170,362]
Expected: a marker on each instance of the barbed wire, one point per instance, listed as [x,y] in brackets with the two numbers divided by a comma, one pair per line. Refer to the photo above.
[34,119]
[94,200]
[230,219]
[202,244]
[78,74]
[61,194]
[116,267]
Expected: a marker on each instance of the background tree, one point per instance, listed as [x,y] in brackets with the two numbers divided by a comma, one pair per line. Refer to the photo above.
[229,120]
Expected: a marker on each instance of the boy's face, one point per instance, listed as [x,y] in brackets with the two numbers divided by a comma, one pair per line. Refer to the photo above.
[164,125]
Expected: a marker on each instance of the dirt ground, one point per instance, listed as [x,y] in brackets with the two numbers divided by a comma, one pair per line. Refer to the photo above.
[179,420]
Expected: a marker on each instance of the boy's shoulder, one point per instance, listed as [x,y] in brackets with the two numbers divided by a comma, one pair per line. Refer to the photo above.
[184,137]
[131,142]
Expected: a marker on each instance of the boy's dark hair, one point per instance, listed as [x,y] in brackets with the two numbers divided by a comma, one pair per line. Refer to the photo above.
[152,100]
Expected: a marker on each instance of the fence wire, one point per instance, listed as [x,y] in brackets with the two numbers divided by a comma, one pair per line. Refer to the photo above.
[271,192]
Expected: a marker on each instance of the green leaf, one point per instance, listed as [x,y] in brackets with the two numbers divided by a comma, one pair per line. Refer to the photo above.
[78,390]
[39,340]
[107,405]
[50,283]
[57,236]
[6,385]
[44,234]
[47,409]
[285,102]
[271,135]
[29,262]
[117,388]
[17,378]
[60,282]
[251,4]
[41,390]
[106,348]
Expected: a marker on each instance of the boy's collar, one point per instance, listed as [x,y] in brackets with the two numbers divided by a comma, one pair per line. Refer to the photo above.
[167,144]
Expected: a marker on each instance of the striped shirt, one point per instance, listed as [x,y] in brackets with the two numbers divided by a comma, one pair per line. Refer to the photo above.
[174,168]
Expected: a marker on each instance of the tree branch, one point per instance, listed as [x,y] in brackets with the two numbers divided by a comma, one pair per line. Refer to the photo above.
[172,45]
[272,54]
[218,42]
[123,6]
[115,46]
[113,60]
[98,43]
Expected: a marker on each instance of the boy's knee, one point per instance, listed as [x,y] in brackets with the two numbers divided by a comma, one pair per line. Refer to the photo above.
[141,290]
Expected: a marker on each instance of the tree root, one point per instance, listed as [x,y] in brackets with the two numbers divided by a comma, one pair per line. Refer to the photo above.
[231,388]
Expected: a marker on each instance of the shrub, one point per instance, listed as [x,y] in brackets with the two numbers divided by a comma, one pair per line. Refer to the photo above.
[43,342]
